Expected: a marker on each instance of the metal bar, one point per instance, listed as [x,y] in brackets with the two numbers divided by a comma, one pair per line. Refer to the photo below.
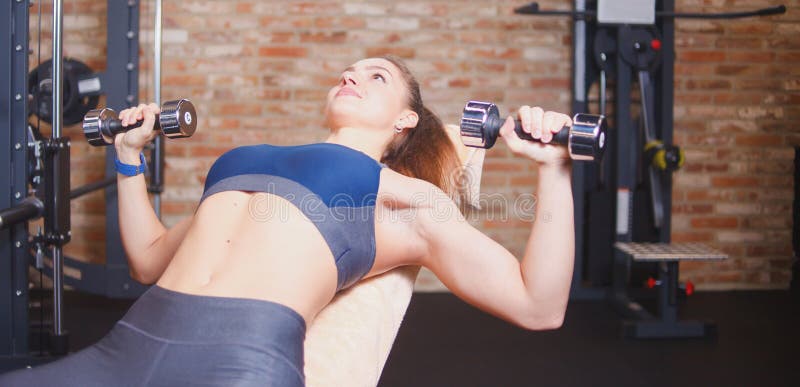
[777,10]
[58,285]
[577,290]
[57,60]
[648,118]
[665,84]
[157,177]
[157,54]
[85,189]
[626,152]
[122,62]
[533,9]
[30,208]
[602,90]
[13,177]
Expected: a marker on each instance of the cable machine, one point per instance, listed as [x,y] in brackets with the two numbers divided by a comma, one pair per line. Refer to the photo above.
[34,170]
[622,205]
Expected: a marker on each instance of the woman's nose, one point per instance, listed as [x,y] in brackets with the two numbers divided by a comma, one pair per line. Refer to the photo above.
[349,78]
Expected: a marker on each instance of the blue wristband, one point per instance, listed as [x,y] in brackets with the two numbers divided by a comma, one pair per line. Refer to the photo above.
[131,170]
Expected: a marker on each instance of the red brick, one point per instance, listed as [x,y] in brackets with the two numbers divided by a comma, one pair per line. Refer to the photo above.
[694,236]
[701,56]
[734,181]
[403,52]
[759,140]
[715,222]
[751,56]
[286,52]
[183,80]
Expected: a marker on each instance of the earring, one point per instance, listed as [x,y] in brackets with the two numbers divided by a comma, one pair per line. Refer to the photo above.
[398,129]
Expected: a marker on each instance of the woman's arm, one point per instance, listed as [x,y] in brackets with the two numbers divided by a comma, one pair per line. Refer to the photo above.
[148,244]
[533,292]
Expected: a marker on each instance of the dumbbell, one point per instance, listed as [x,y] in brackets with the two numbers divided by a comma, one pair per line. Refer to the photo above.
[585,140]
[177,119]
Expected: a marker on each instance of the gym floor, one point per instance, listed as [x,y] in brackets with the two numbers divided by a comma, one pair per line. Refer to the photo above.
[445,342]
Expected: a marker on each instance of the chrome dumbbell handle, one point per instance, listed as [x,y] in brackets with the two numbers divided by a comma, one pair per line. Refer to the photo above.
[177,119]
[585,140]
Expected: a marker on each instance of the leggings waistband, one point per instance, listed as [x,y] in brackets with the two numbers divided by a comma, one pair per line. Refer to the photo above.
[180,317]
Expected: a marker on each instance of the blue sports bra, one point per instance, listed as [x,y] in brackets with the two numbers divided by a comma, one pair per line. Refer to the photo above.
[333,185]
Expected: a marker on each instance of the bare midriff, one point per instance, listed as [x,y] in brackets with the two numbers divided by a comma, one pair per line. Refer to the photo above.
[256,246]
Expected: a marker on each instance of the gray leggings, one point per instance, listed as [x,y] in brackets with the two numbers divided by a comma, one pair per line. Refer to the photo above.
[175,339]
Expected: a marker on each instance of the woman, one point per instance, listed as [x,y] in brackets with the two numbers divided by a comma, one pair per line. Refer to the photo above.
[279,230]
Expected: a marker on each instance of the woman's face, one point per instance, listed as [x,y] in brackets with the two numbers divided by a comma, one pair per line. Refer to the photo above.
[371,93]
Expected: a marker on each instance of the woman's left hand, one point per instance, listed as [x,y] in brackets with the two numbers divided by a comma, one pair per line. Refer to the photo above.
[541,125]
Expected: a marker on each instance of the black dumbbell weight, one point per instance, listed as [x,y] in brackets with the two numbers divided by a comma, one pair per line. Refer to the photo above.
[481,122]
[177,119]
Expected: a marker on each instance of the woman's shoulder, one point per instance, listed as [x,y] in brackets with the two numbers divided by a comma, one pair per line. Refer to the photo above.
[413,191]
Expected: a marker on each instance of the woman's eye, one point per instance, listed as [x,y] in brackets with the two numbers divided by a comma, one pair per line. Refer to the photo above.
[378,76]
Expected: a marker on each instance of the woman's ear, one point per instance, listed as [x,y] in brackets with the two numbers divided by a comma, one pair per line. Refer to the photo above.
[409,119]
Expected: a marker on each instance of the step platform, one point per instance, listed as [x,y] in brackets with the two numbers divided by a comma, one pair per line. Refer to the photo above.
[664,323]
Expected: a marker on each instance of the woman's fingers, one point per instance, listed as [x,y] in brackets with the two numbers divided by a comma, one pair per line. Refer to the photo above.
[147,123]
[526,118]
[510,136]
[553,122]
[537,115]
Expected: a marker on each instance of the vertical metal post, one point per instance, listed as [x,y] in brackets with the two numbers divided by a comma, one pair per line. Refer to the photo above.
[157,177]
[122,66]
[578,180]
[626,152]
[58,259]
[665,84]
[13,177]
[157,54]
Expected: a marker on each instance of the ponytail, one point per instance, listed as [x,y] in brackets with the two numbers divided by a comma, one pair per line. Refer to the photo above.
[425,151]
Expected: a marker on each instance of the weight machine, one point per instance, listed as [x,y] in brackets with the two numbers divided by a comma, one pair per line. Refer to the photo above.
[622,205]
[34,170]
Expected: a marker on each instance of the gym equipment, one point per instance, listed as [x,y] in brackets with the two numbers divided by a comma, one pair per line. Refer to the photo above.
[585,140]
[80,91]
[626,198]
[665,322]
[34,175]
[177,119]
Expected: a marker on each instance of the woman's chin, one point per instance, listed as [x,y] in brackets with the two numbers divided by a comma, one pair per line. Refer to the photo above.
[341,118]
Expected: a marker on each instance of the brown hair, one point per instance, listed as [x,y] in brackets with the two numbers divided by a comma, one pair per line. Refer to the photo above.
[425,151]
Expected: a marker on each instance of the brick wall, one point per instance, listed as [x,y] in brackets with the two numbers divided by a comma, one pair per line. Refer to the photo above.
[258,71]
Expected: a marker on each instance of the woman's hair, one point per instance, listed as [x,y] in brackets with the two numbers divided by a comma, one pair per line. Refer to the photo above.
[425,151]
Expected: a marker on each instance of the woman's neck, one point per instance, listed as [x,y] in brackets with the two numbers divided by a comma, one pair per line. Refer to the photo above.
[371,142]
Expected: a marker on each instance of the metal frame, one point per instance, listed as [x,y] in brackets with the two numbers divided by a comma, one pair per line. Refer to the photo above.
[14,256]
[120,84]
[607,196]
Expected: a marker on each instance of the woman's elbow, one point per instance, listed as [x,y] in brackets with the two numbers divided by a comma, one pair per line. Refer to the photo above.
[142,276]
[542,322]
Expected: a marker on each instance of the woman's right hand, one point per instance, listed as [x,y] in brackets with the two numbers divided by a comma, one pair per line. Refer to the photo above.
[130,143]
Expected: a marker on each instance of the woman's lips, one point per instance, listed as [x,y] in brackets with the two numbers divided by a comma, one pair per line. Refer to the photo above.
[347,91]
